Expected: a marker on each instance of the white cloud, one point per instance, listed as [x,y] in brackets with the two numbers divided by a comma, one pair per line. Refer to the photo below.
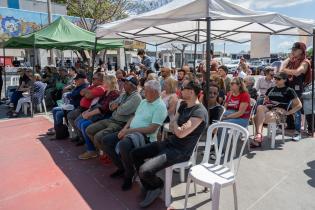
[263,4]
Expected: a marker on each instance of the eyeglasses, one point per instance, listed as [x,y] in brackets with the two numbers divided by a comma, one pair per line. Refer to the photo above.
[276,78]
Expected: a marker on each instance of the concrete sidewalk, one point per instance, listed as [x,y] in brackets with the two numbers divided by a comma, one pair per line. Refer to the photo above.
[41,174]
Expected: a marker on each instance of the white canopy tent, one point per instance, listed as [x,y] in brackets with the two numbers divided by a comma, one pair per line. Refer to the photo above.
[181,20]
[198,21]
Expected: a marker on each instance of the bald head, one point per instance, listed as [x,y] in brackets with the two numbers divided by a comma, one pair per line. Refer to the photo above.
[165,72]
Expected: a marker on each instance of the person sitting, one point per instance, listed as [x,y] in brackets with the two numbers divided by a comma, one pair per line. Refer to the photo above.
[223,72]
[216,80]
[60,82]
[123,109]
[180,78]
[165,74]
[169,95]
[215,109]
[188,125]
[74,98]
[237,104]
[25,83]
[89,94]
[97,112]
[276,103]
[70,84]
[249,83]
[139,130]
[264,83]
[119,77]
[36,94]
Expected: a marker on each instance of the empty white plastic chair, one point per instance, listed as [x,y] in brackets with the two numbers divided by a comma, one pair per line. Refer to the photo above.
[217,175]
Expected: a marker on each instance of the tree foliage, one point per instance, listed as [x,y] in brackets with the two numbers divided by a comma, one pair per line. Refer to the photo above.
[99,11]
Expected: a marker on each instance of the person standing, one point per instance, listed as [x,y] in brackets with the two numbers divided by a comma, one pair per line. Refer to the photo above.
[298,69]
[146,61]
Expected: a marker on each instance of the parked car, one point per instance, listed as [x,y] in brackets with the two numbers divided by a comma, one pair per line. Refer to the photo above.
[276,65]
[232,66]
[191,63]
[257,66]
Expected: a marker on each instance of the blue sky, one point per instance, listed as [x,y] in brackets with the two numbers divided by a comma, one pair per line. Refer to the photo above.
[293,8]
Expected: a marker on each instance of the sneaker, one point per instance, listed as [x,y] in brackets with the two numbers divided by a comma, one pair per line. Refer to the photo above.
[150,197]
[88,155]
[297,136]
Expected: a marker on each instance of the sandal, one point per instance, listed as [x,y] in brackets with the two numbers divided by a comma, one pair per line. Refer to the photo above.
[257,141]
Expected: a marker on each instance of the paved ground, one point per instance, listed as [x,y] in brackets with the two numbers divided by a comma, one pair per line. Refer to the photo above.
[41,174]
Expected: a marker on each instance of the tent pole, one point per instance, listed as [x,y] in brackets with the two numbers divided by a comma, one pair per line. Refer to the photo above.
[126,64]
[94,54]
[34,60]
[195,54]
[4,74]
[208,60]
[313,77]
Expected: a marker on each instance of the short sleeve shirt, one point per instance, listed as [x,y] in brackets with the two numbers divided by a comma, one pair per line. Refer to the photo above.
[149,113]
[280,97]
[96,91]
[234,102]
[187,144]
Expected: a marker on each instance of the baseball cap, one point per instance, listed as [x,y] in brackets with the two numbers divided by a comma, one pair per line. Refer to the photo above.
[80,76]
[299,45]
[281,75]
[131,79]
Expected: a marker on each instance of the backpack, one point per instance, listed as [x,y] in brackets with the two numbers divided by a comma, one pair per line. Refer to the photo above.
[61,131]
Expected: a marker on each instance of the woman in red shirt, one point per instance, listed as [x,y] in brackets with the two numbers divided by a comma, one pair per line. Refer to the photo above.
[237,104]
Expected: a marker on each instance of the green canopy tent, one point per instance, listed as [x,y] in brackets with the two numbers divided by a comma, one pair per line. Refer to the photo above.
[62,35]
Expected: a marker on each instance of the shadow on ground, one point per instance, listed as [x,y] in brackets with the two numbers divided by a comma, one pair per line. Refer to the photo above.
[91,178]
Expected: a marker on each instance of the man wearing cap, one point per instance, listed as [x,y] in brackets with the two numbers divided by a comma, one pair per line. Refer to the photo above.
[94,91]
[123,109]
[298,68]
[277,102]
[74,96]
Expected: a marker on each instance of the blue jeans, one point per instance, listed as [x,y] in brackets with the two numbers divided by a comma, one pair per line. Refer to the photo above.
[298,120]
[82,124]
[58,115]
[239,121]
[15,97]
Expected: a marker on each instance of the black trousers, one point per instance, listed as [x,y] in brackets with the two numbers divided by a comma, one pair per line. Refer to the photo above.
[161,155]
[123,161]
[308,118]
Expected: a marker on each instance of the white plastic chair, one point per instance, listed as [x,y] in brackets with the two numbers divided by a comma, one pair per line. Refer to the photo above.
[14,81]
[39,106]
[217,175]
[272,130]
[181,166]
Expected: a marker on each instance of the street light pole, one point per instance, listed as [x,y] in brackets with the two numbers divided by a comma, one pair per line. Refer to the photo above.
[51,52]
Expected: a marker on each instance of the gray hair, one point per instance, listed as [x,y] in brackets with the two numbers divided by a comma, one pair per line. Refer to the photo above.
[154,85]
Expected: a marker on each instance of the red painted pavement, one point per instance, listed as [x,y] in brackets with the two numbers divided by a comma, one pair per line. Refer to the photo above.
[36,173]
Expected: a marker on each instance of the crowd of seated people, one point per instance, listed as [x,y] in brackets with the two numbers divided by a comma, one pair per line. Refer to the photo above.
[119,116]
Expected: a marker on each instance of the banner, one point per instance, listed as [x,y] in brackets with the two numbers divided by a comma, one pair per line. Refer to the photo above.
[260,46]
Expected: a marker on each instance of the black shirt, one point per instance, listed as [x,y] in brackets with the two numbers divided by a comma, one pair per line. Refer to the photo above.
[280,97]
[215,113]
[187,144]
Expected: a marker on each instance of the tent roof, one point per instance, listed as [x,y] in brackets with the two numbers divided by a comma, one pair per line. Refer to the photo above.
[181,20]
[61,34]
